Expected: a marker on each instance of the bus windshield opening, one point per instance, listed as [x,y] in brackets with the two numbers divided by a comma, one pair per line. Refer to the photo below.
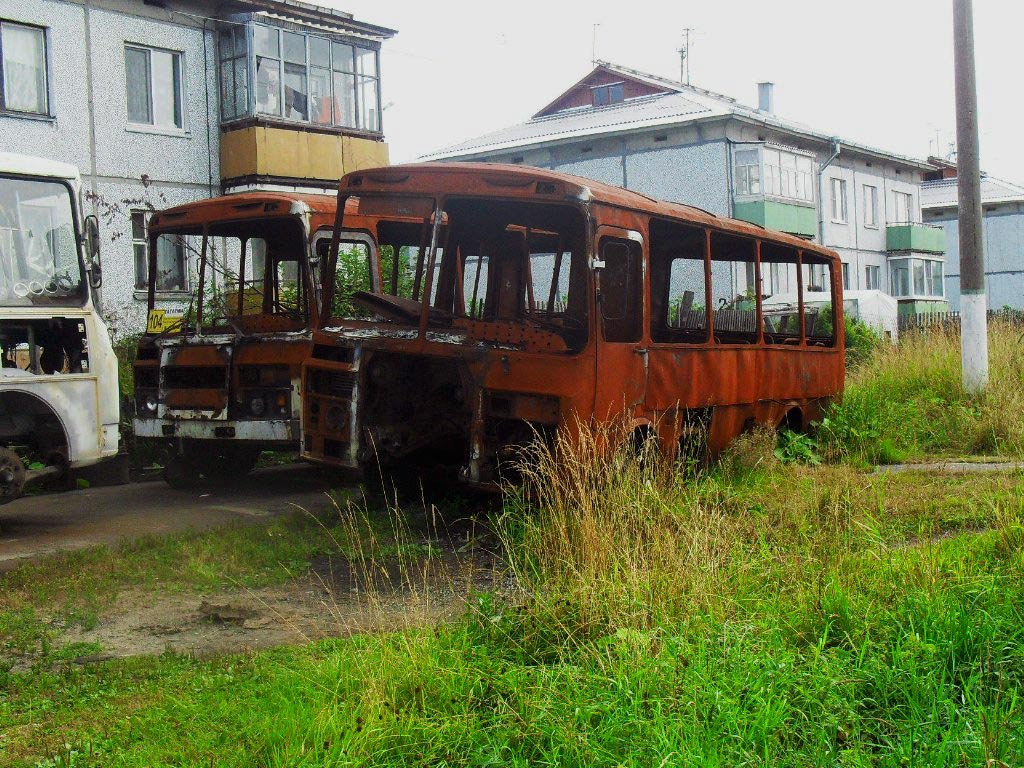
[39,258]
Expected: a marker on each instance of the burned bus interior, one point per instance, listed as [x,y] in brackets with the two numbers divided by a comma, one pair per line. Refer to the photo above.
[251,275]
[504,272]
[472,311]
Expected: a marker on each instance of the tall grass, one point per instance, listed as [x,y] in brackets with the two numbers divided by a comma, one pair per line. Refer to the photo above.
[907,401]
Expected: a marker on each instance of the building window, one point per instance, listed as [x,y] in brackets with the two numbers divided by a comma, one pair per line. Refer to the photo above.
[153,78]
[775,172]
[23,66]
[846,276]
[748,172]
[870,206]
[904,205]
[313,79]
[787,174]
[171,272]
[234,72]
[839,201]
[603,95]
[916,278]
[871,275]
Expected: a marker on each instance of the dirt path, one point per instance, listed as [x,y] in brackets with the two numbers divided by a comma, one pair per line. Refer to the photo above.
[328,601]
[35,526]
[952,467]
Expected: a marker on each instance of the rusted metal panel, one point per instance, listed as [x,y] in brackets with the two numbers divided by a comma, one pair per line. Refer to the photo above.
[434,376]
[240,382]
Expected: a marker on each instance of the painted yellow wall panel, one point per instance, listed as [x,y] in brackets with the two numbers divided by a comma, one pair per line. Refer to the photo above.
[363,153]
[267,151]
[237,153]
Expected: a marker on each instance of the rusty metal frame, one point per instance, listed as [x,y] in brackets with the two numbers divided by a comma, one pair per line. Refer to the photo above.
[508,372]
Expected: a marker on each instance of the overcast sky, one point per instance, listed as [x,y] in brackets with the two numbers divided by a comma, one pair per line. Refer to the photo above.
[878,72]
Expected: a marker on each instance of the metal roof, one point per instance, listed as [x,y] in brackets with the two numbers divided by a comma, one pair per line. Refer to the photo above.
[643,111]
[942,193]
[681,104]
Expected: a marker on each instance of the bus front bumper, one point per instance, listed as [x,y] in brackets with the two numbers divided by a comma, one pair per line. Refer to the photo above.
[253,430]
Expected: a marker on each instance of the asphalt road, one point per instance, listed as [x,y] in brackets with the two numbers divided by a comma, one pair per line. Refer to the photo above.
[33,526]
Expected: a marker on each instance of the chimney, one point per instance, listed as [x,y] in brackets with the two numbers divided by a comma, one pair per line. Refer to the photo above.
[766,98]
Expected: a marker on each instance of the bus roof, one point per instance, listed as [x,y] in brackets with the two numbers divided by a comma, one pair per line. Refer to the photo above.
[245,205]
[519,180]
[29,165]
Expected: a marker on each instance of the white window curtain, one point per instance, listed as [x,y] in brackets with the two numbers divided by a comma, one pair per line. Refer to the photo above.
[24,68]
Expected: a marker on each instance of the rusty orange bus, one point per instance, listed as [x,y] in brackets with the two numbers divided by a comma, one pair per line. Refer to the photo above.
[219,383]
[508,301]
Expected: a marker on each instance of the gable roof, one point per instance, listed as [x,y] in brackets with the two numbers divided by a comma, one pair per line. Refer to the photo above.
[942,193]
[675,104]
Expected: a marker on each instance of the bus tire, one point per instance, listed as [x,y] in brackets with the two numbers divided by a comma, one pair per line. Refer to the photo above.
[12,475]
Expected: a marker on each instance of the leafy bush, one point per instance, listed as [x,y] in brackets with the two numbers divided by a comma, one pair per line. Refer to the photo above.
[861,341]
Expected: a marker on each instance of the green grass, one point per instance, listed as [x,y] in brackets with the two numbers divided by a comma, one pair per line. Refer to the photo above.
[759,613]
[906,402]
[828,618]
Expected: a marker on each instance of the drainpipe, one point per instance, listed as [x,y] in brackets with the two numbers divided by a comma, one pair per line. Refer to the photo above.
[821,192]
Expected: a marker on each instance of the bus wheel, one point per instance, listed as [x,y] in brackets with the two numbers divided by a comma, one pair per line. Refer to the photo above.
[218,463]
[230,461]
[12,475]
[180,471]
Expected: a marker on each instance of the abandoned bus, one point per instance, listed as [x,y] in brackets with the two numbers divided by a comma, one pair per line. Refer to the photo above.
[220,383]
[58,388]
[508,301]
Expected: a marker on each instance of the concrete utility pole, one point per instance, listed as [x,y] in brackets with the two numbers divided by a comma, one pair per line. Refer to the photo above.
[973,319]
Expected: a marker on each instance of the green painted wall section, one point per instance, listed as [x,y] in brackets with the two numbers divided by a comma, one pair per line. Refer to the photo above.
[784,217]
[920,307]
[915,237]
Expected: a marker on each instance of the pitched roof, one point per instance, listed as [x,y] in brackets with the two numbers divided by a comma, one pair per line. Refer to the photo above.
[679,104]
[942,193]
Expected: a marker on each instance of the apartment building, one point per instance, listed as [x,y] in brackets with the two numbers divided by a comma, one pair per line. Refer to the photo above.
[678,142]
[161,102]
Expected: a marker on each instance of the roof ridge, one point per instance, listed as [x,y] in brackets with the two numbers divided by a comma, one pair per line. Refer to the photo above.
[679,85]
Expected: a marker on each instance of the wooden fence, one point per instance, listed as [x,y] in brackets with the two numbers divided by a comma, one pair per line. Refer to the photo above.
[927,321]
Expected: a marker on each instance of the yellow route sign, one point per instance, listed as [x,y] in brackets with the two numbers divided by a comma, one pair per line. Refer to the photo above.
[159,321]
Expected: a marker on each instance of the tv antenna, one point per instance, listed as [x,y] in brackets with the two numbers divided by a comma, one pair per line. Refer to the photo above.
[684,57]
[593,44]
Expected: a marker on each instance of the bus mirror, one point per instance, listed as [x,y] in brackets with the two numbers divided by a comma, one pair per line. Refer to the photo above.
[92,247]
[92,238]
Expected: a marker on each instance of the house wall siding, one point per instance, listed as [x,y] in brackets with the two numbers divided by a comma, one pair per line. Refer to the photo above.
[1003,243]
[178,166]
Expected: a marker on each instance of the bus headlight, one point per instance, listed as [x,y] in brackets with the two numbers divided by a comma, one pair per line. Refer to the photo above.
[257,405]
[146,404]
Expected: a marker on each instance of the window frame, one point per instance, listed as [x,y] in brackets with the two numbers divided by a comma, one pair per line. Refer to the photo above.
[141,292]
[246,57]
[10,111]
[871,205]
[872,277]
[791,180]
[178,57]
[840,211]
[898,195]
[359,79]
[927,277]
[610,89]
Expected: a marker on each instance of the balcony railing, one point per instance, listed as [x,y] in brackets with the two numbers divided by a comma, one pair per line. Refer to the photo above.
[914,236]
[793,218]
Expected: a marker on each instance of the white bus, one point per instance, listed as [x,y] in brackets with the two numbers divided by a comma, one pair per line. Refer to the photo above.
[59,403]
